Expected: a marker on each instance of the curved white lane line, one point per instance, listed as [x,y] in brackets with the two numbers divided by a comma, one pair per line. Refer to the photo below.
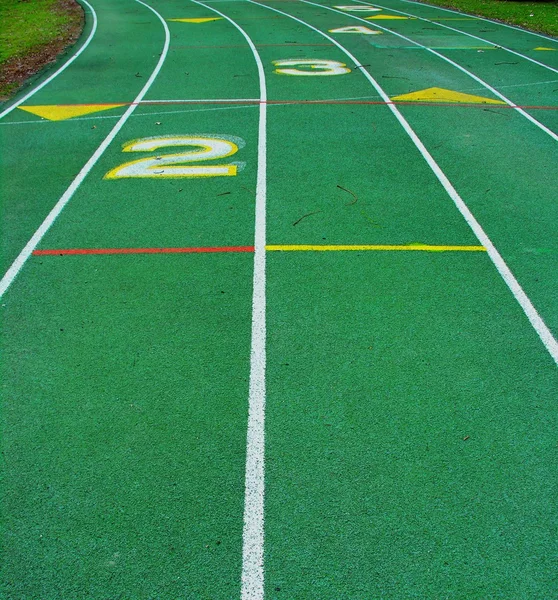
[536,321]
[62,68]
[254,490]
[476,37]
[456,12]
[18,263]
[542,127]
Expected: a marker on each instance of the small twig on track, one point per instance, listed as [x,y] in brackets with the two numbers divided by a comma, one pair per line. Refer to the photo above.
[352,194]
[304,216]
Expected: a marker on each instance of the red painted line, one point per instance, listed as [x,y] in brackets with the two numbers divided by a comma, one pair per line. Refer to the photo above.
[257,45]
[411,103]
[73,251]
[289,44]
[480,105]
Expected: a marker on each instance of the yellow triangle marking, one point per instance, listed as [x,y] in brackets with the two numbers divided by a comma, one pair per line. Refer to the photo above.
[435,94]
[61,112]
[202,20]
[549,49]
[386,17]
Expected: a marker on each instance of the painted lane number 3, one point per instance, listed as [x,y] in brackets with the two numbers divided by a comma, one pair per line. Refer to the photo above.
[311,67]
[178,165]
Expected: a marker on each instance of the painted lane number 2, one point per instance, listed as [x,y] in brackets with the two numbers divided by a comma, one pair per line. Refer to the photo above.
[311,67]
[178,165]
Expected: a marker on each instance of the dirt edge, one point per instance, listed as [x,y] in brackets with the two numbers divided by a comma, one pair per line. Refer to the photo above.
[17,70]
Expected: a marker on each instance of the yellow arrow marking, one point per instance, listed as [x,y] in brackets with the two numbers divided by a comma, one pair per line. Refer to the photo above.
[435,94]
[203,20]
[61,112]
[386,17]
[339,248]
[548,49]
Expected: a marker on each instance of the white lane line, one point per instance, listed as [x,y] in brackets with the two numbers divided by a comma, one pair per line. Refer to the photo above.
[512,85]
[532,84]
[180,112]
[18,263]
[233,100]
[535,319]
[542,127]
[62,68]
[190,110]
[460,31]
[455,12]
[254,491]
[153,114]
[201,101]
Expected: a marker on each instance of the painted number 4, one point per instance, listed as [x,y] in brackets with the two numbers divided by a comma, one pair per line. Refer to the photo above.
[178,164]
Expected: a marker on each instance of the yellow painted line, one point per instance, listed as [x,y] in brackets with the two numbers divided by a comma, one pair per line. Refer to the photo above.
[341,248]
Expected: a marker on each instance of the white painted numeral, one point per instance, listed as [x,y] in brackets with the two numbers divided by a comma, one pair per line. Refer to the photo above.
[355,29]
[316,67]
[172,165]
[358,8]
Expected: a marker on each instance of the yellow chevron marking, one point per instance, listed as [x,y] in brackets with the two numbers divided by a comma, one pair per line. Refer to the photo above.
[202,20]
[61,112]
[435,94]
[386,17]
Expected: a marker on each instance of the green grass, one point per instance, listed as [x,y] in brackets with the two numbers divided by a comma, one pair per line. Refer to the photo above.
[26,25]
[536,16]
[33,32]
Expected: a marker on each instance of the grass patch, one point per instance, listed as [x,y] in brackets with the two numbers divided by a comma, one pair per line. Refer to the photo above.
[33,33]
[535,16]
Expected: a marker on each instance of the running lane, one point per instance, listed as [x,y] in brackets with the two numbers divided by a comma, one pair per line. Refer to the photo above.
[404,388]
[124,425]
[43,148]
[409,406]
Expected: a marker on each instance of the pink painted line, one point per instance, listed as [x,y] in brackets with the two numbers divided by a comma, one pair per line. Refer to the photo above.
[81,251]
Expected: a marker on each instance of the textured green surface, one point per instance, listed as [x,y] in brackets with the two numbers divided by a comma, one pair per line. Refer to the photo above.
[410,434]
[373,490]
[124,429]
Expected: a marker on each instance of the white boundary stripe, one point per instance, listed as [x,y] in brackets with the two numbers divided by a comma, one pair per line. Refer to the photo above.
[174,112]
[200,101]
[62,68]
[456,12]
[16,266]
[536,321]
[177,112]
[468,35]
[253,532]
[542,127]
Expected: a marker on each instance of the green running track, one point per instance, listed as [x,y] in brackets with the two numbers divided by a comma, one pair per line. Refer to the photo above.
[280,305]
